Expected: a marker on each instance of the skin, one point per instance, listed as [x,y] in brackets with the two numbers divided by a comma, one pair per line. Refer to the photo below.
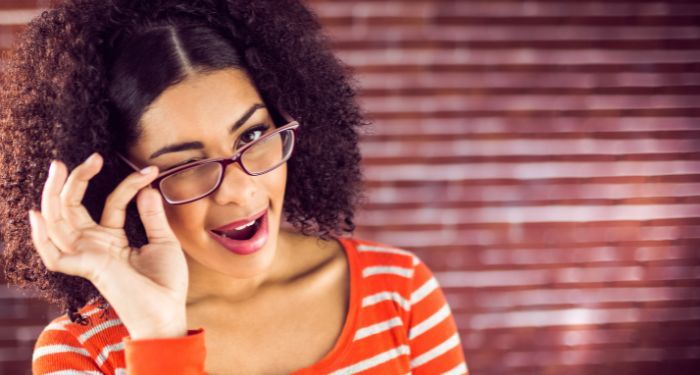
[253,306]
[202,108]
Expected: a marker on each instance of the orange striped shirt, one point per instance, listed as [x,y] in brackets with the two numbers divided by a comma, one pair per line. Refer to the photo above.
[398,322]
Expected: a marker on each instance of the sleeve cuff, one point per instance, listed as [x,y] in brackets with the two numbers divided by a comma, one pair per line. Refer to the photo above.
[176,355]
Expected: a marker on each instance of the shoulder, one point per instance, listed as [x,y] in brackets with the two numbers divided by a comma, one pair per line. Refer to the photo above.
[377,257]
[383,267]
[62,341]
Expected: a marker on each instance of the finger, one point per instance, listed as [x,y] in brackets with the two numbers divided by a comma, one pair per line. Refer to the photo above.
[48,252]
[152,213]
[54,259]
[114,213]
[62,234]
[71,196]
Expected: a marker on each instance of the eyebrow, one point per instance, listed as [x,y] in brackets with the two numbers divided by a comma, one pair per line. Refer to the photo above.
[199,145]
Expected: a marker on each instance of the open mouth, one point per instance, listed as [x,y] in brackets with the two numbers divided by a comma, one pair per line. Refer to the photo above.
[244,232]
[246,238]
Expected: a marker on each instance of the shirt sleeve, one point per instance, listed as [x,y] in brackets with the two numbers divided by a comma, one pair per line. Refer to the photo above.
[177,356]
[433,336]
[58,351]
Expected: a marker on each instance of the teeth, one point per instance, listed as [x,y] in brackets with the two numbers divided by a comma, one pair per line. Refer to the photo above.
[245,225]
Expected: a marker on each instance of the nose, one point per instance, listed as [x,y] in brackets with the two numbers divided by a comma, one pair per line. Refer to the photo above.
[236,187]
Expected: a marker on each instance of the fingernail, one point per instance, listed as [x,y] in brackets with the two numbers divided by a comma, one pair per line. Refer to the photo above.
[147,170]
[52,167]
[32,220]
[92,157]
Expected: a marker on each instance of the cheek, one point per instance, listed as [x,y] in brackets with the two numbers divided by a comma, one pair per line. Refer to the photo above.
[184,217]
[278,181]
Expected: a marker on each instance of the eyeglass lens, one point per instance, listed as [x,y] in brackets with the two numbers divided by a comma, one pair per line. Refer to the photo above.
[263,156]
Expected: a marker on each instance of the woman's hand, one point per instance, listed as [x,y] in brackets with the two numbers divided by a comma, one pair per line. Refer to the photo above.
[147,287]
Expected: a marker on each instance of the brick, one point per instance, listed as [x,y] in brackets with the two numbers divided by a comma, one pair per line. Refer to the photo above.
[676,334]
[6,5]
[20,335]
[591,356]
[18,16]
[588,255]
[528,170]
[559,126]
[526,82]
[14,310]
[390,58]
[543,214]
[672,272]
[648,253]
[464,147]
[416,237]
[558,276]
[10,354]
[493,300]
[28,334]
[579,316]
[16,367]
[482,8]
[13,292]
[446,32]
[532,102]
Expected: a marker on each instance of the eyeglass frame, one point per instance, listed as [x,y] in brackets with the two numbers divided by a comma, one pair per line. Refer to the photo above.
[292,125]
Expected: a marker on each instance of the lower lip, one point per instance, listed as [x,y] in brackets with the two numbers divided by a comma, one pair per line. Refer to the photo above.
[245,247]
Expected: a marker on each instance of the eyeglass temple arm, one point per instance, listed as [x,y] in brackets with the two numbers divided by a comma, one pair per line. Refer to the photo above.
[287,117]
[128,162]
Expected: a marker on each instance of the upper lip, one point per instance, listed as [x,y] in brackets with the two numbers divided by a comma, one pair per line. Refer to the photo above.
[238,223]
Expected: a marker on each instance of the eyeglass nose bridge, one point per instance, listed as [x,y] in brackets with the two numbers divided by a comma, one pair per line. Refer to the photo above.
[225,163]
[235,159]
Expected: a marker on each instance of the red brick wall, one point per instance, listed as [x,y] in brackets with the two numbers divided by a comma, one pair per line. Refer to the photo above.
[541,156]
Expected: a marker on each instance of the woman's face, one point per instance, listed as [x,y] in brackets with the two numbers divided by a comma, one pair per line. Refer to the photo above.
[202,109]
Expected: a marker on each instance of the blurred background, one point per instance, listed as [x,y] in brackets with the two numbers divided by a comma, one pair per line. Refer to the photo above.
[542,157]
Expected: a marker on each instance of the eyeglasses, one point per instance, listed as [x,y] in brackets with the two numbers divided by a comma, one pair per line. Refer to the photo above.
[196,180]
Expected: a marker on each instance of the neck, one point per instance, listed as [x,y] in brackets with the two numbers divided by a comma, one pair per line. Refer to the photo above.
[207,285]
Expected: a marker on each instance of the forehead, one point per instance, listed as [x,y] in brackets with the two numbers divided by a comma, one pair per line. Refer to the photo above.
[202,101]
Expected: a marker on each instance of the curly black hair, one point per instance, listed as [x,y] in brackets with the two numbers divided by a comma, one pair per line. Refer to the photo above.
[81,74]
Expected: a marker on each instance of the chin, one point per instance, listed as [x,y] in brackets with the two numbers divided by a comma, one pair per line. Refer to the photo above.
[217,258]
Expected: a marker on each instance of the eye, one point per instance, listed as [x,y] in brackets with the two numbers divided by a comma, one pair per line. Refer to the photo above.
[253,134]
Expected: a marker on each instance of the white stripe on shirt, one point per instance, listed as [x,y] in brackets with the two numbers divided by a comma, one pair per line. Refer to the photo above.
[56,326]
[460,369]
[377,328]
[106,350]
[381,249]
[390,250]
[384,296]
[424,290]
[374,361]
[380,270]
[435,352]
[430,322]
[97,329]
[58,348]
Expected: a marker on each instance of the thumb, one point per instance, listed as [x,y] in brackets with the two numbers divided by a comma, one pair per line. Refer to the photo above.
[152,213]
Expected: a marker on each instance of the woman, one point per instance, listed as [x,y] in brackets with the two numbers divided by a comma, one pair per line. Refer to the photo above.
[178,134]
